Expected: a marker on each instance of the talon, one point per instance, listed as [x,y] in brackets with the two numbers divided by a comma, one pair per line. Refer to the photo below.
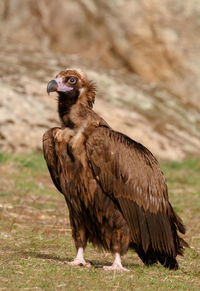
[79,260]
[81,263]
[117,265]
[87,265]
[77,263]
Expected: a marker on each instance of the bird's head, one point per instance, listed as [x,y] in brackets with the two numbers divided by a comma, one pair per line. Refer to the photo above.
[73,84]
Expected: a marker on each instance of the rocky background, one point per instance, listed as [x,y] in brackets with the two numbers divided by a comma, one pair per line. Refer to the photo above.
[143,55]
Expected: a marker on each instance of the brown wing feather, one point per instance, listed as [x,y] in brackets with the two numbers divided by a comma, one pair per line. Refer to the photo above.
[51,157]
[130,174]
[127,169]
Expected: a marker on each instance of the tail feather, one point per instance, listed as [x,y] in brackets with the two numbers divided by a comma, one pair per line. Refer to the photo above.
[163,229]
[177,220]
[177,224]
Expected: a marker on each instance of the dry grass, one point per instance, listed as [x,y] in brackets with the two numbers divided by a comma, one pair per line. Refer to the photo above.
[36,237]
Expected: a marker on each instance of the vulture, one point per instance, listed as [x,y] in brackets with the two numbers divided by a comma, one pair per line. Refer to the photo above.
[115,191]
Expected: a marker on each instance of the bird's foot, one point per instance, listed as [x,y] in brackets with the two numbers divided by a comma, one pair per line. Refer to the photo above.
[79,259]
[79,262]
[117,267]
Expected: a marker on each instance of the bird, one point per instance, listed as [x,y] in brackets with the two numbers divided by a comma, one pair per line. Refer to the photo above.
[115,191]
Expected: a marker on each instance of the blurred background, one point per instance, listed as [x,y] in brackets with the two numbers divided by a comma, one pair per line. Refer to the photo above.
[143,55]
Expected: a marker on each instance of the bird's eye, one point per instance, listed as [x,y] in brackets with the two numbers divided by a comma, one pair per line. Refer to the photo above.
[72,80]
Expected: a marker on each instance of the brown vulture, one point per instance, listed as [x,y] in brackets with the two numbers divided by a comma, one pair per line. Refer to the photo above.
[113,186]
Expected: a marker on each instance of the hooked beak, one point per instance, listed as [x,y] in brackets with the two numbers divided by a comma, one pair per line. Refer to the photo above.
[52,86]
[57,85]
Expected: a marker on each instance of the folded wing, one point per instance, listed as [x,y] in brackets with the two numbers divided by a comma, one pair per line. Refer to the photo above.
[130,175]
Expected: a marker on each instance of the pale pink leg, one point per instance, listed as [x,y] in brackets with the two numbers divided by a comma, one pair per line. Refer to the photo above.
[79,259]
[117,265]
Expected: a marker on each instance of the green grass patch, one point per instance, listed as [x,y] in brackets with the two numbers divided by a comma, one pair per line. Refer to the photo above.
[33,161]
[3,158]
[35,236]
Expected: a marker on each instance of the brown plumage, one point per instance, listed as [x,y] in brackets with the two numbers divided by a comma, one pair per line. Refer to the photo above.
[115,191]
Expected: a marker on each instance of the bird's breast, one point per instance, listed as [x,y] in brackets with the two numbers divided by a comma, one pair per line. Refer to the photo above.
[63,135]
[78,138]
[73,137]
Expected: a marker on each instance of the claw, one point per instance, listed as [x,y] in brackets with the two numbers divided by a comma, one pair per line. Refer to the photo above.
[79,262]
[117,265]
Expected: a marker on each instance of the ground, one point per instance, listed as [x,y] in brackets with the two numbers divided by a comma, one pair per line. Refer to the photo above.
[35,237]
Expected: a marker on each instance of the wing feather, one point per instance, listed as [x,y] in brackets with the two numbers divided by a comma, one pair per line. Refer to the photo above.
[127,169]
[51,157]
[130,174]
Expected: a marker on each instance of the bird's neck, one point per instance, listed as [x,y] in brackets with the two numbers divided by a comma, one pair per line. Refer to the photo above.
[74,108]
[64,115]
[65,104]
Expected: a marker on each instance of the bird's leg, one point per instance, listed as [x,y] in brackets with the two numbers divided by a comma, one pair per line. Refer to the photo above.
[79,259]
[79,235]
[117,265]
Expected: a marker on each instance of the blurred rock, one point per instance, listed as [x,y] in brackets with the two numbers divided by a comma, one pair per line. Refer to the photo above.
[148,113]
[157,40]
